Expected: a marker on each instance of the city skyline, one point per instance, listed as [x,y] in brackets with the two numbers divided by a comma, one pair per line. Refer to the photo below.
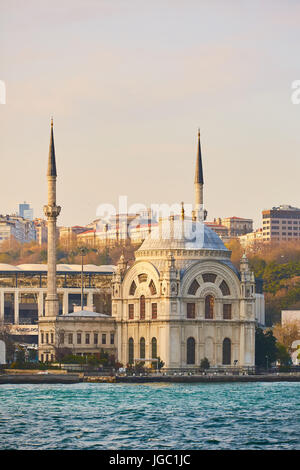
[129,85]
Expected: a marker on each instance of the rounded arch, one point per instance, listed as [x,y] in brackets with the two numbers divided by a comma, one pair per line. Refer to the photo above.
[142,307]
[130,351]
[226,356]
[142,348]
[222,270]
[154,348]
[144,268]
[190,350]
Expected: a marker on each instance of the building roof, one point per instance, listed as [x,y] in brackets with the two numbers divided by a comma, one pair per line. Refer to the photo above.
[91,268]
[86,313]
[186,234]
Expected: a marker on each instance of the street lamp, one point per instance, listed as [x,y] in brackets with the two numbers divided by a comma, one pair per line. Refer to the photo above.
[83,251]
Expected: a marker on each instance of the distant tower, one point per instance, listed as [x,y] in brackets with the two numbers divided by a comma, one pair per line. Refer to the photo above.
[199,212]
[51,212]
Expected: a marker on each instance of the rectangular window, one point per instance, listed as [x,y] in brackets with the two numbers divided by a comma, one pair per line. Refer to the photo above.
[42,338]
[130,311]
[87,338]
[78,338]
[190,310]
[227,311]
[61,338]
[154,311]
[70,338]
[52,338]
[112,338]
[47,338]
[104,338]
[95,338]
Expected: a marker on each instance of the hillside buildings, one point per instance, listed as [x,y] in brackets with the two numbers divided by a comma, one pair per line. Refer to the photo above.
[15,227]
[281,224]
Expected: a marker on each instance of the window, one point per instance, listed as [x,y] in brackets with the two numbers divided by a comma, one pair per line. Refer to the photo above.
[112,338]
[142,307]
[42,338]
[208,277]
[190,351]
[87,338]
[52,338]
[142,348]
[193,287]
[227,311]
[190,310]
[103,338]
[152,287]
[142,277]
[130,311]
[70,338]
[95,338]
[47,338]
[78,338]
[154,348]
[154,311]
[226,352]
[132,288]
[209,307]
[224,288]
[130,351]
[61,337]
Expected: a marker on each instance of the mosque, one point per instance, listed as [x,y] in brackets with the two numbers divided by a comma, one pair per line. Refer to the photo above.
[182,300]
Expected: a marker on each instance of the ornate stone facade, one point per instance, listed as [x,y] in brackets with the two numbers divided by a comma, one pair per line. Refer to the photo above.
[185,302]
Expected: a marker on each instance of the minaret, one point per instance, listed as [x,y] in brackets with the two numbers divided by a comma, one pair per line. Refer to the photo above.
[51,212]
[198,211]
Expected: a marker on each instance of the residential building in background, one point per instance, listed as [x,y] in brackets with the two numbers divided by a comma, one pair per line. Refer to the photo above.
[281,224]
[41,231]
[237,226]
[251,240]
[15,227]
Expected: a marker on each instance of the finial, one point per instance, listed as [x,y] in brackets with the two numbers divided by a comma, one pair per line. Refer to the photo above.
[51,121]
[199,132]
[182,210]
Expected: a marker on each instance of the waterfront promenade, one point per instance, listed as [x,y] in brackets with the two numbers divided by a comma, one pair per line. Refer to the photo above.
[56,378]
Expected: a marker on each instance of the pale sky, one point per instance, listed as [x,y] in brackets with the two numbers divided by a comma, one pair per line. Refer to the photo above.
[129,82]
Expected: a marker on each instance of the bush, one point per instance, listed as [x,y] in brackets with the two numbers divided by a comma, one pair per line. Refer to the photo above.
[204,364]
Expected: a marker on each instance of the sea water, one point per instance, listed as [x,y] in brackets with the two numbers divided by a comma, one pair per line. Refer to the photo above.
[150,416]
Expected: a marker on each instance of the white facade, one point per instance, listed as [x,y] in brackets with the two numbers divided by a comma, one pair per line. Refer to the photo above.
[202,306]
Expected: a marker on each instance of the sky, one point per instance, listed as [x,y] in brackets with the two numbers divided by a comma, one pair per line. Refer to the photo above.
[129,82]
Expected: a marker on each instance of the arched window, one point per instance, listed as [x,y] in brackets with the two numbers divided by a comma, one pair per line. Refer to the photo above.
[190,351]
[226,352]
[130,351]
[132,288]
[152,287]
[224,288]
[154,348]
[209,307]
[209,277]
[193,287]
[142,307]
[142,348]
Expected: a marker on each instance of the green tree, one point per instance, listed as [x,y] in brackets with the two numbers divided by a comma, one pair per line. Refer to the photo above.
[265,347]
[204,364]
[283,355]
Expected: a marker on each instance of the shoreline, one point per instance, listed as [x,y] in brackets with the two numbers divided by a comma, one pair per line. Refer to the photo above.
[78,378]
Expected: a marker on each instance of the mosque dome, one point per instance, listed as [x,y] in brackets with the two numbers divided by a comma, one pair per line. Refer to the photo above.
[182,235]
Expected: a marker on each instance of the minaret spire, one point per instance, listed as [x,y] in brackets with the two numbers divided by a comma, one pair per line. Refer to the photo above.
[52,212]
[198,184]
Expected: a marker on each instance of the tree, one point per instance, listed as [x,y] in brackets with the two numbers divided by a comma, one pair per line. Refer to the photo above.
[283,355]
[204,364]
[265,347]
[287,333]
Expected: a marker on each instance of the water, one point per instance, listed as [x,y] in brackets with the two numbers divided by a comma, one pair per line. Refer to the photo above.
[150,416]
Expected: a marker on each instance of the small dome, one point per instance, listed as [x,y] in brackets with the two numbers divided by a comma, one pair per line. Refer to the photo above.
[182,235]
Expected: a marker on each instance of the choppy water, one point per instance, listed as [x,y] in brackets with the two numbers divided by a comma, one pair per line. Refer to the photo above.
[150,416]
